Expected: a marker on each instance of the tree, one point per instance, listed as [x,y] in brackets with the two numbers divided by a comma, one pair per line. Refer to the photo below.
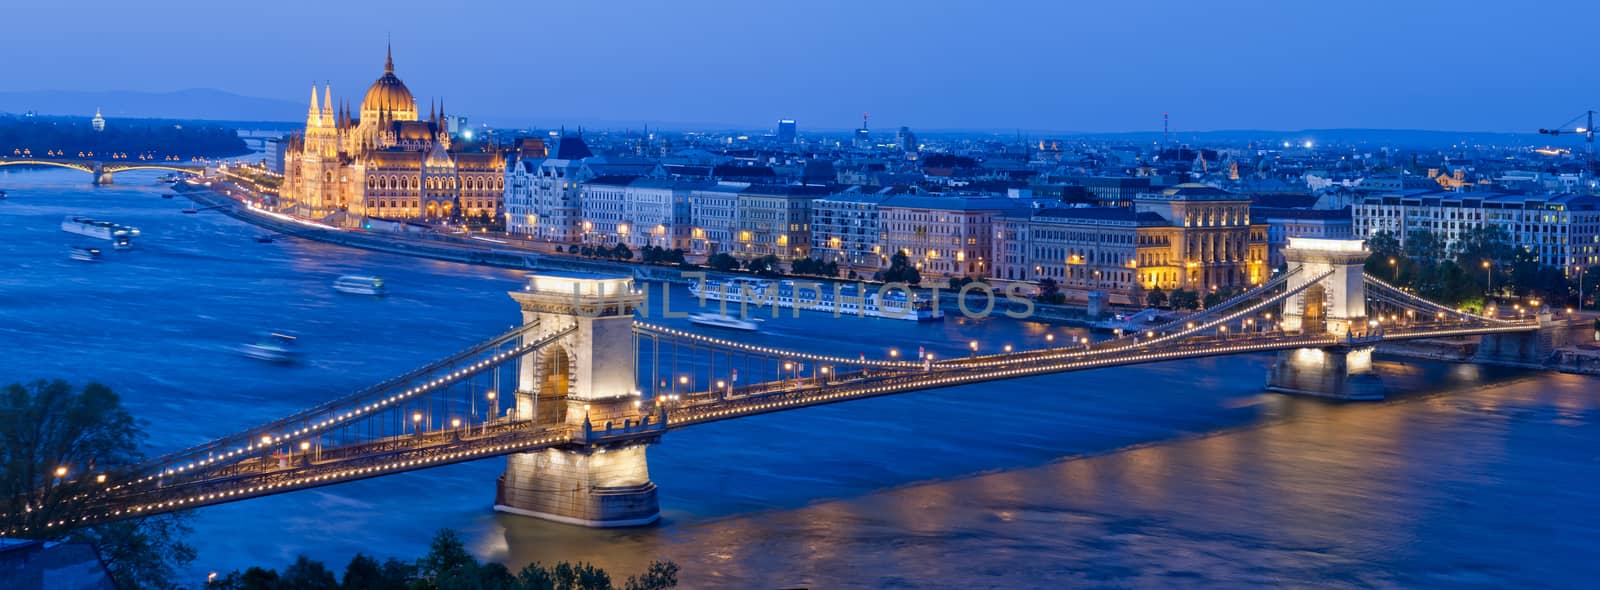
[445,553]
[1184,299]
[622,252]
[660,576]
[1049,290]
[1424,245]
[764,266]
[722,262]
[305,574]
[1155,298]
[1212,299]
[50,426]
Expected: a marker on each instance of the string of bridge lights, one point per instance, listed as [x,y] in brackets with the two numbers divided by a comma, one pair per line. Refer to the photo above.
[316,428]
[339,474]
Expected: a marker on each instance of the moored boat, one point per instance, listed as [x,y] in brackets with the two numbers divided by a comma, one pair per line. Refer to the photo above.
[842,299]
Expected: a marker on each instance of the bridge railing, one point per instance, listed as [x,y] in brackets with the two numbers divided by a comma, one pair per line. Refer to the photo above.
[308,425]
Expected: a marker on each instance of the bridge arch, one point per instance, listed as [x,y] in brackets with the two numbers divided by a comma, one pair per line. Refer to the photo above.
[79,166]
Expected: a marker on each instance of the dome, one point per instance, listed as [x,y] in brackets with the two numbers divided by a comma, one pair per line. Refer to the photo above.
[389,93]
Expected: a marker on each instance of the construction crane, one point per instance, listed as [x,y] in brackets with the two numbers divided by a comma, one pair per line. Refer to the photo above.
[1588,138]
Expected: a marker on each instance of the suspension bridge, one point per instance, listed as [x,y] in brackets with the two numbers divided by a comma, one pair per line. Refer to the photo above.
[560,394]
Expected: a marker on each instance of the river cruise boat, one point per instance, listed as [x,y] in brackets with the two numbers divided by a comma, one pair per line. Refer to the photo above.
[274,347]
[94,228]
[717,320]
[84,254]
[843,299]
[360,285]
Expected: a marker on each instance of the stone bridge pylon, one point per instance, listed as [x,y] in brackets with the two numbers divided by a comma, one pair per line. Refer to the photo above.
[1335,304]
[587,381]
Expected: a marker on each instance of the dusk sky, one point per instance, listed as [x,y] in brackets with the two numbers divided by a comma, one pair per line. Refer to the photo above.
[1039,65]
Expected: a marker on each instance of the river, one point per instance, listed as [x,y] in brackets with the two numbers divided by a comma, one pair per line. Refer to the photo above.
[1175,474]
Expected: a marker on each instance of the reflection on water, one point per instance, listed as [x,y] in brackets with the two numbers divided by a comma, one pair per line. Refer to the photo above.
[1179,474]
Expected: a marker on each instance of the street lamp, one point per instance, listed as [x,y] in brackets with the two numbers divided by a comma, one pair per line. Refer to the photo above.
[974,346]
[1490,278]
[1008,348]
[1050,340]
[1394,271]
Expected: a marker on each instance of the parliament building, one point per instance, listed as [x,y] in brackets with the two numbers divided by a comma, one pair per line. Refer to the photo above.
[385,161]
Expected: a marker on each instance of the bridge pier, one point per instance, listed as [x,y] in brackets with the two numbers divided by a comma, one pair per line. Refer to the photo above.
[101,176]
[1532,349]
[585,382]
[1343,373]
[585,486]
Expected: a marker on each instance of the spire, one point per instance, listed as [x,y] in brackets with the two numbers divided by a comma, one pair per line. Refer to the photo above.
[388,62]
[313,115]
[327,105]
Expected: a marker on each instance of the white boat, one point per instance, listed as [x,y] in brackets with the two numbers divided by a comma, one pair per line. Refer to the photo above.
[94,228]
[275,347]
[843,299]
[718,320]
[360,285]
[122,243]
[84,254]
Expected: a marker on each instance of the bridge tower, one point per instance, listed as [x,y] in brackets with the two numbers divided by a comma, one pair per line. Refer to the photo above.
[1335,303]
[587,381]
[101,175]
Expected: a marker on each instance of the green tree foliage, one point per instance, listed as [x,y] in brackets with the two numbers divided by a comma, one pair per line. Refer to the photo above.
[659,255]
[1184,299]
[815,267]
[49,425]
[723,262]
[1050,291]
[446,566]
[767,266]
[1155,297]
[305,574]
[900,270]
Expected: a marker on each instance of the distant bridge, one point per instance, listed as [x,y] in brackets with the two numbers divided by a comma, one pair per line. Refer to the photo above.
[560,394]
[101,170]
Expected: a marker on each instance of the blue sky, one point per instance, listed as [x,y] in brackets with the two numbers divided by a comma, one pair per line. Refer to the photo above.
[1040,65]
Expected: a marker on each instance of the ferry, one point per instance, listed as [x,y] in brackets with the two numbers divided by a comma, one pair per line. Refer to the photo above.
[104,230]
[84,254]
[275,347]
[717,320]
[851,298]
[360,285]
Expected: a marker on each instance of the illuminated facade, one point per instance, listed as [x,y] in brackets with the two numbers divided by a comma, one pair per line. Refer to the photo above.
[1190,236]
[384,161]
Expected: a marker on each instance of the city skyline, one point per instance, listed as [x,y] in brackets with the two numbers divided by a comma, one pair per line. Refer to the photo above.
[1065,68]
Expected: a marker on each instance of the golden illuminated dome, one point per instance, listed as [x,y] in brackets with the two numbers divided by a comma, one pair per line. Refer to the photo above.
[389,94]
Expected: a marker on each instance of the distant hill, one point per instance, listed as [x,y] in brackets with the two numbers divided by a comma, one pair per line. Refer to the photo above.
[197,103]
[1348,137]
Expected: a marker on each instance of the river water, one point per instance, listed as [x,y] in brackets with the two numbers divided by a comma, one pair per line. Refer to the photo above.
[1178,474]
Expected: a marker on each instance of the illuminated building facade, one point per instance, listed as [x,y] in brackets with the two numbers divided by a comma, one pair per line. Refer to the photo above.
[385,161]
